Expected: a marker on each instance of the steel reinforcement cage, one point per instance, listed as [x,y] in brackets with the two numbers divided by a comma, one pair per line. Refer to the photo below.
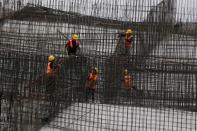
[162,61]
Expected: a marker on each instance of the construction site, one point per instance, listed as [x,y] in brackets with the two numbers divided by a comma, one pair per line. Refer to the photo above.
[162,62]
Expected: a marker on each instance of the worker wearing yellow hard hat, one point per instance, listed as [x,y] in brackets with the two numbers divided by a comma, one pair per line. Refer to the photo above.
[51,60]
[128,38]
[73,45]
[51,71]
[128,81]
[129,31]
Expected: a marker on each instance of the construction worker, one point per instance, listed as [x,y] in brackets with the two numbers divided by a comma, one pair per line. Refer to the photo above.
[52,73]
[50,65]
[127,81]
[91,83]
[127,85]
[73,45]
[128,38]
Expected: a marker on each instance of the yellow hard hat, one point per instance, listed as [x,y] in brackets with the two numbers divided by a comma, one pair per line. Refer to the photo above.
[51,58]
[129,31]
[125,71]
[75,37]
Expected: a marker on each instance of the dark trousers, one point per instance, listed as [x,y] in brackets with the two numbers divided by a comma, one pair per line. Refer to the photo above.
[72,51]
[127,51]
[90,92]
[50,85]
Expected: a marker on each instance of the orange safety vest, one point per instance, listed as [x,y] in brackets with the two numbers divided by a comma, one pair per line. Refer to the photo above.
[93,77]
[127,82]
[49,69]
[91,81]
[128,40]
[71,43]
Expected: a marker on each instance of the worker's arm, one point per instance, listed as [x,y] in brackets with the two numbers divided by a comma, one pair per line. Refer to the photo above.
[58,65]
[67,44]
[89,76]
[64,35]
[130,37]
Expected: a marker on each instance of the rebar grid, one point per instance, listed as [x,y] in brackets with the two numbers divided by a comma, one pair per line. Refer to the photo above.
[162,62]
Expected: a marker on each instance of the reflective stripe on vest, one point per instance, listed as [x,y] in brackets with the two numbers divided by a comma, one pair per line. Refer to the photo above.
[49,69]
[70,44]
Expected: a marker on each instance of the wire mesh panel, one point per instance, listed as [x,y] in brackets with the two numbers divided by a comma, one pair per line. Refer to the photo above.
[147,83]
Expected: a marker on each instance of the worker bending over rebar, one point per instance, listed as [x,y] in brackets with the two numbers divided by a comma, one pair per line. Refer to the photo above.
[51,74]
